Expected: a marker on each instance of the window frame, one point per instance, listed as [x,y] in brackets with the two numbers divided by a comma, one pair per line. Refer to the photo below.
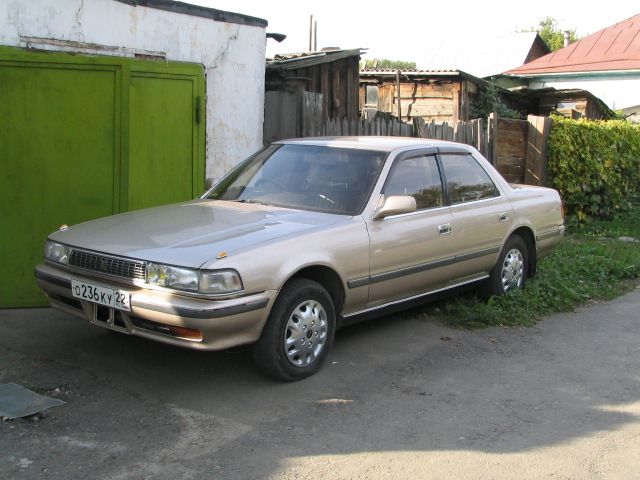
[444,152]
[408,155]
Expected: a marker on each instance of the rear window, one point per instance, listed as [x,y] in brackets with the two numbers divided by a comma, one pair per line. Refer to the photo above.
[467,181]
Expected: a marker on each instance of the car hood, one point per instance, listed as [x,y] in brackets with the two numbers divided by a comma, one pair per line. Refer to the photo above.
[192,233]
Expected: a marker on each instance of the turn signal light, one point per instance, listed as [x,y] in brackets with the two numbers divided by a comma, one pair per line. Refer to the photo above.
[183,332]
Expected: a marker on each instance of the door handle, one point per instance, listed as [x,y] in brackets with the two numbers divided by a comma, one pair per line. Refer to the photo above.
[444,229]
[503,217]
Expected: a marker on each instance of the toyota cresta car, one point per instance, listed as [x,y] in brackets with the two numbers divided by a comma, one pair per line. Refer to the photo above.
[301,238]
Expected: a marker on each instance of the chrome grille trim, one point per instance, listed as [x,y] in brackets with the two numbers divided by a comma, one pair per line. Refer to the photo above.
[107,265]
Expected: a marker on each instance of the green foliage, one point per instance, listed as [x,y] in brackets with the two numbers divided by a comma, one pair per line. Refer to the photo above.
[552,35]
[487,101]
[595,165]
[385,63]
[589,265]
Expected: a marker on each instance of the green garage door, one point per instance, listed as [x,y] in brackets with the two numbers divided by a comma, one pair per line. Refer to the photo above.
[160,108]
[83,137]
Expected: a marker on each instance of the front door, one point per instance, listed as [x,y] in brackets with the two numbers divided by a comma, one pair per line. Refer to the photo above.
[411,253]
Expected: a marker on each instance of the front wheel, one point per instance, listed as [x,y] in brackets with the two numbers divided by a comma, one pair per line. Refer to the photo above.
[510,272]
[299,332]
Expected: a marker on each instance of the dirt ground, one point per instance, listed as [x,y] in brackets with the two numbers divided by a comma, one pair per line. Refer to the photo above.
[400,397]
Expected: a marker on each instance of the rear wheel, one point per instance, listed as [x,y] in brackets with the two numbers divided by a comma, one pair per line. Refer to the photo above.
[298,333]
[510,272]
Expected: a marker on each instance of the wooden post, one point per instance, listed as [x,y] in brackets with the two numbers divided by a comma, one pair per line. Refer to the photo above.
[315,36]
[491,138]
[480,136]
[536,159]
[398,94]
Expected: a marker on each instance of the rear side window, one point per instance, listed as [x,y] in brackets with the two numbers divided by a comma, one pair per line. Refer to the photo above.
[418,177]
[466,179]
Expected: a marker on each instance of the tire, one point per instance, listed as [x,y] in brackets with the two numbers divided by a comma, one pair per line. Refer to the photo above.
[299,332]
[510,271]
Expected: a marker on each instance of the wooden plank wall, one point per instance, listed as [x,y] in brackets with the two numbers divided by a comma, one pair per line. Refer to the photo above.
[472,132]
[311,113]
[536,160]
[281,114]
[337,81]
[510,148]
[429,101]
[368,127]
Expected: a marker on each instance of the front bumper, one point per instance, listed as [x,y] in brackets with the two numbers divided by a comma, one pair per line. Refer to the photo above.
[221,323]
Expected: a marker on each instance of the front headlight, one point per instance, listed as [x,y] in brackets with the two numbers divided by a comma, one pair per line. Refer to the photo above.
[220,281]
[56,252]
[172,277]
[208,282]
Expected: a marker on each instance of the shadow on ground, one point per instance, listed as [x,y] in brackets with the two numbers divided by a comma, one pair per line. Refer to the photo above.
[138,409]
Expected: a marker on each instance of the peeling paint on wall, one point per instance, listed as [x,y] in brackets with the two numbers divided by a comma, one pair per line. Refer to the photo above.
[232,55]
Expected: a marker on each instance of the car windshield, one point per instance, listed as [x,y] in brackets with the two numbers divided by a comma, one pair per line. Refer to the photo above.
[306,177]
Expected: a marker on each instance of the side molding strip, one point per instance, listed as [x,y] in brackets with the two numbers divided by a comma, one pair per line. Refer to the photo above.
[390,275]
[415,297]
[552,233]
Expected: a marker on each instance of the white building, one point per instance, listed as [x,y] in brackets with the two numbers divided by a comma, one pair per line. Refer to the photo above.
[108,106]
[230,46]
[606,63]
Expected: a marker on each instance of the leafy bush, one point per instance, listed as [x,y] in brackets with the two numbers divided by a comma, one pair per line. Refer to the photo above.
[595,165]
[488,100]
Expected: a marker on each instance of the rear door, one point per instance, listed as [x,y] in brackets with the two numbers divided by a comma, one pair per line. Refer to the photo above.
[481,214]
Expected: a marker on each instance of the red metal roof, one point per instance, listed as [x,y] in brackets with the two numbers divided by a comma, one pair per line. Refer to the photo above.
[613,48]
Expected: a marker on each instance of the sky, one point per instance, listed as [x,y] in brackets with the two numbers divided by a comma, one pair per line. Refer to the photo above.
[408,30]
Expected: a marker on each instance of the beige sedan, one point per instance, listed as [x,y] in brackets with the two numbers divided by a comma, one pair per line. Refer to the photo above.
[301,238]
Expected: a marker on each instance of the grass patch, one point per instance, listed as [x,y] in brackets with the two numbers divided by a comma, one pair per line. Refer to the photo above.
[591,264]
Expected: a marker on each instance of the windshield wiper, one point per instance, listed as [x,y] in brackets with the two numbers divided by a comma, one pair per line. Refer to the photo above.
[252,200]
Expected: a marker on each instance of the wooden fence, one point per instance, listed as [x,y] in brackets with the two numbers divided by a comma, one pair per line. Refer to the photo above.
[368,127]
[517,148]
[472,133]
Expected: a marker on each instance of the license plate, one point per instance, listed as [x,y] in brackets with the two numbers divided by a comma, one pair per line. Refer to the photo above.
[108,297]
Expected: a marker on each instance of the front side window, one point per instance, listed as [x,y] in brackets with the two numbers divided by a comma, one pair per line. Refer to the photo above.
[307,177]
[418,177]
[466,179]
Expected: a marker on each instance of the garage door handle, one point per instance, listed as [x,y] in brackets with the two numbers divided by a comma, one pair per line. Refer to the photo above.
[444,229]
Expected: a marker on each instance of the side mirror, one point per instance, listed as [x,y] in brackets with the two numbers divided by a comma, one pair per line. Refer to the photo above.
[395,205]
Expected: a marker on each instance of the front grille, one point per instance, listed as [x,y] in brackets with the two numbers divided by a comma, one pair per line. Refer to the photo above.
[119,267]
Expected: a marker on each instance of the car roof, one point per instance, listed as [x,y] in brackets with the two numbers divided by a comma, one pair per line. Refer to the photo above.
[384,144]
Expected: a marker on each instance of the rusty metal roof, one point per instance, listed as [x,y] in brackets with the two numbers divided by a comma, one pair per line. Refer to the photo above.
[613,48]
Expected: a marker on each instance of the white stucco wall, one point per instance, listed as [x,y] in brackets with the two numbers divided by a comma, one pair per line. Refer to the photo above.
[618,92]
[233,56]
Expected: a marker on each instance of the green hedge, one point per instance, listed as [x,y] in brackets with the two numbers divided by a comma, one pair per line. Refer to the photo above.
[595,165]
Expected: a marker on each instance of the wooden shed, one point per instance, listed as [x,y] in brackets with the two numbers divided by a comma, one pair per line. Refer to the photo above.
[309,87]
[438,95]
[573,103]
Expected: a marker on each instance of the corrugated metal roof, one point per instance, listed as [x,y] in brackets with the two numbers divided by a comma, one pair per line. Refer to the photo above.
[371,73]
[388,71]
[284,61]
[613,48]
